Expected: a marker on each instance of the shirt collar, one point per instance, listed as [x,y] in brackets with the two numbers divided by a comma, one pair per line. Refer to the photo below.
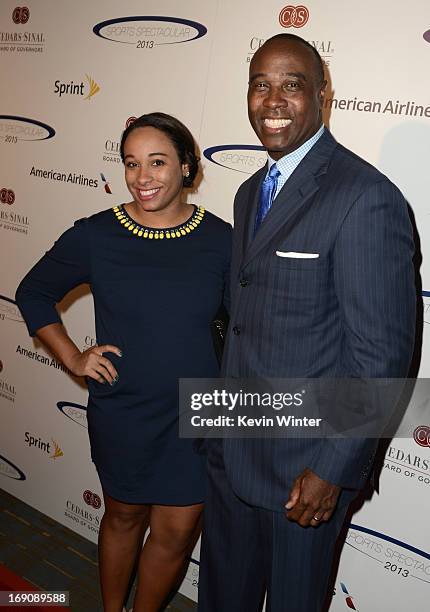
[288,163]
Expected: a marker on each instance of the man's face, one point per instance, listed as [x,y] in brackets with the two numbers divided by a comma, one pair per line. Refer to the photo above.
[285,96]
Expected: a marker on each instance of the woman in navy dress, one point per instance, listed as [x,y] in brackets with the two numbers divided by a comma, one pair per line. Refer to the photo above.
[157,268]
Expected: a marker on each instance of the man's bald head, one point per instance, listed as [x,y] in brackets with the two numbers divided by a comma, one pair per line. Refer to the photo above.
[288,39]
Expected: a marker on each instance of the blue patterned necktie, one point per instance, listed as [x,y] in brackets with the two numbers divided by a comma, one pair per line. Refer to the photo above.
[268,190]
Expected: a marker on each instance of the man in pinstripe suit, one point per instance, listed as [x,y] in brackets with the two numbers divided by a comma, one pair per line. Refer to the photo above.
[322,285]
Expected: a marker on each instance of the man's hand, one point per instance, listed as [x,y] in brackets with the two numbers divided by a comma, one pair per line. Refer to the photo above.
[312,500]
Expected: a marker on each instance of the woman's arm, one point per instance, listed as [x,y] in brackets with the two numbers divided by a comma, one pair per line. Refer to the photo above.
[66,265]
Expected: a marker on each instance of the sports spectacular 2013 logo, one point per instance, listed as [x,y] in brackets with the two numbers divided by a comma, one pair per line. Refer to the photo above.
[75,412]
[395,556]
[10,470]
[149,31]
[239,157]
[14,129]
[9,310]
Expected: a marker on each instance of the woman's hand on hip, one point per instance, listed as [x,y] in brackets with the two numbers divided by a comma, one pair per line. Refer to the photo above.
[94,364]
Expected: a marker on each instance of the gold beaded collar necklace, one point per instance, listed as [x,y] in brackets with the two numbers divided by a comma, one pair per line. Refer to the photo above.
[154,233]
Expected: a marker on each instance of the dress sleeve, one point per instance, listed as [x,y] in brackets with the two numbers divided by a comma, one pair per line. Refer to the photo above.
[65,266]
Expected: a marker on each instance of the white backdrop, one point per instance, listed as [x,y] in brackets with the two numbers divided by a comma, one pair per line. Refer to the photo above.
[70,82]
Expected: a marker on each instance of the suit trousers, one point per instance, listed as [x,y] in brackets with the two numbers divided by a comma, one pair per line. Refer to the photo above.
[248,552]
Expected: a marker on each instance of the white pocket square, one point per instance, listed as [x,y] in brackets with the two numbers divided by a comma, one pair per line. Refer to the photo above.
[295,255]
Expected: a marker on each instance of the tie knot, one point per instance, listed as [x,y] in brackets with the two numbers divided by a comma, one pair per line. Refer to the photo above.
[273,172]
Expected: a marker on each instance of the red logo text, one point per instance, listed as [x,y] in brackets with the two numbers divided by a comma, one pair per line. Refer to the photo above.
[422,435]
[7,196]
[21,14]
[293,16]
[92,499]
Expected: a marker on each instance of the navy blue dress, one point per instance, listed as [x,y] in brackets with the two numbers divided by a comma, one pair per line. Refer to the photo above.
[155,293]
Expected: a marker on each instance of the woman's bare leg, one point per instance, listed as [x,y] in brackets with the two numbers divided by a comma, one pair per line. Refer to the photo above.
[120,540]
[172,531]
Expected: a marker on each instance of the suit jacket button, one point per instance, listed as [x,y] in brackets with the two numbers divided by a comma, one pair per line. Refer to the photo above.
[236,330]
[243,282]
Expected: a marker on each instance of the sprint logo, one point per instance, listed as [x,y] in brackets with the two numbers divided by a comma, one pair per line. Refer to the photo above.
[52,448]
[72,88]
[94,88]
[57,452]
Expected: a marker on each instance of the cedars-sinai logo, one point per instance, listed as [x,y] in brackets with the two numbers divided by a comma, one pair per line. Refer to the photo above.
[21,14]
[293,16]
[7,196]
[112,151]
[149,31]
[129,121]
[92,499]
[422,435]
[15,129]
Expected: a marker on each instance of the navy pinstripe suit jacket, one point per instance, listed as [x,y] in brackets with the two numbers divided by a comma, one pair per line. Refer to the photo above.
[348,313]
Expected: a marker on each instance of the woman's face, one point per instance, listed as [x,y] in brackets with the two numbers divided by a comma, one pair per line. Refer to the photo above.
[153,171]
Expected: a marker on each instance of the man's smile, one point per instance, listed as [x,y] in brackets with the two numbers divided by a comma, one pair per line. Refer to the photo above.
[276,124]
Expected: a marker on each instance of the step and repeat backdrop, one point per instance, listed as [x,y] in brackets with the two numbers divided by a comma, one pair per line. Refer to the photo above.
[73,75]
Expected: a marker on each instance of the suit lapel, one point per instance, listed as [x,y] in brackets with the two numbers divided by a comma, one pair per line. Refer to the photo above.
[244,225]
[297,191]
